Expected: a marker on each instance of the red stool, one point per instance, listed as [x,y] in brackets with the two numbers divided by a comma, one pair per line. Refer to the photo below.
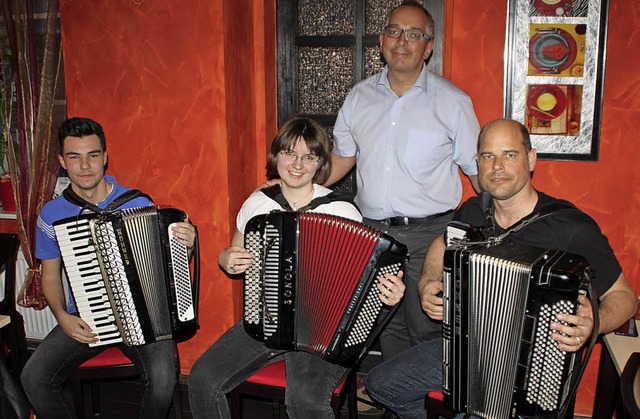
[109,364]
[436,408]
[270,383]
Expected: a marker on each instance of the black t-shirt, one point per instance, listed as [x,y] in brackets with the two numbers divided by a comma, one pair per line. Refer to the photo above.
[568,230]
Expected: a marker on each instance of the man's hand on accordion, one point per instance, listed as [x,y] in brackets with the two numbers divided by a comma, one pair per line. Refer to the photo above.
[185,233]
[573,331]
[431,299]
[391,288]
[76,328]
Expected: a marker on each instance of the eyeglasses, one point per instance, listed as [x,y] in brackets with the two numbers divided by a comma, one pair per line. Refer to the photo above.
[307,159]
[411,35]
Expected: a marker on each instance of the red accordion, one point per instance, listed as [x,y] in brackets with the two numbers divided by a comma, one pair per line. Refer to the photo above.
[312,286]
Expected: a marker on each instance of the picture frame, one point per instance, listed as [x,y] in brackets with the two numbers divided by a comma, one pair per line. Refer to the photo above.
[554,74]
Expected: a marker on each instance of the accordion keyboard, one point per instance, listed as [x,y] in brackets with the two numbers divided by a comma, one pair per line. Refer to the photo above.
[253,280]
[180,267]
[90,294]
[367,316]
[545,380]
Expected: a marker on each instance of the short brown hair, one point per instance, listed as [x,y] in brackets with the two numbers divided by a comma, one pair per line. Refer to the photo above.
[314,136]
[78,128]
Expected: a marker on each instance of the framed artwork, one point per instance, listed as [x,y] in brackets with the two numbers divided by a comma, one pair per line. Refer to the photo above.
[554,68]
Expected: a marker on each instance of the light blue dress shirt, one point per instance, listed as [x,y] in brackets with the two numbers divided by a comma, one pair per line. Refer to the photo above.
[408,148]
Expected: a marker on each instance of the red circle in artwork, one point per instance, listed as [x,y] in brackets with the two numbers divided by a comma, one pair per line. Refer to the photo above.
[552,50]
[539,112]
[553,7]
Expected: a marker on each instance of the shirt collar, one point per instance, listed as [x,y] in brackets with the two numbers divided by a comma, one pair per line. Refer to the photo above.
[111,180]
[421,82]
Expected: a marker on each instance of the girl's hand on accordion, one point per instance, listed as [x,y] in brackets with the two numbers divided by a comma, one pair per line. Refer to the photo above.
[391,288]
[76,328]
[235,259]
[573,331]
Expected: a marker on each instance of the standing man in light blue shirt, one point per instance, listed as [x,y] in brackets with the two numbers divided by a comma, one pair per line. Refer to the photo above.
[409,131]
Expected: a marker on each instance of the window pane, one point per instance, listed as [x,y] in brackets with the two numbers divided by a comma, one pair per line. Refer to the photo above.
[376,12]
[373,61]
[325,76]
[335,17]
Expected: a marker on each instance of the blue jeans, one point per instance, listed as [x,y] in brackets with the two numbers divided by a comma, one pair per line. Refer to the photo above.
[402,383]
[410,325]
[236,356]
[58,356]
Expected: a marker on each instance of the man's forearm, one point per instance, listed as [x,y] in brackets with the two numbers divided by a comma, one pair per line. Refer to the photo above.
[52,286]
[340,167]
[615,309]
[433,263]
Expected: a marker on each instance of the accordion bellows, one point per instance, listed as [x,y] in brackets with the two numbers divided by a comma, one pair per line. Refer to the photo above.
[312,286]
[499,301]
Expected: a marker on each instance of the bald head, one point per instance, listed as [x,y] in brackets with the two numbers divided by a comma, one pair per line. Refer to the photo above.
[504,125]
[505,160]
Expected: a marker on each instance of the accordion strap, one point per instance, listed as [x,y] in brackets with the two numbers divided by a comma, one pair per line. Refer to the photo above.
[275,192]
[541,213]
[328,198]
[70,195]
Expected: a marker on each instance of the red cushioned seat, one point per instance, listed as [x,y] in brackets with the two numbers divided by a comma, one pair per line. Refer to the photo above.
[108,358]
[108,364]
[270,382]
[437,395]
[435,406]
[275,375]
[271,375]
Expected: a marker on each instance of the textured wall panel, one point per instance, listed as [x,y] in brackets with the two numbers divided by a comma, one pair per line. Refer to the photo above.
[336,17]
[324,79]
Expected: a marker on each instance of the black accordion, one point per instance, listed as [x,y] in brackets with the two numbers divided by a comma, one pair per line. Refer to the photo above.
[499,302]
[312,286]
[128,275]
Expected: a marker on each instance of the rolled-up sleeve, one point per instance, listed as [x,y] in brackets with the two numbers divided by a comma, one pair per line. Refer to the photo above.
[466,138]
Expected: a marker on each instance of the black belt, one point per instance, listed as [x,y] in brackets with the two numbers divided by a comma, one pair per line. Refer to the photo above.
[405,221]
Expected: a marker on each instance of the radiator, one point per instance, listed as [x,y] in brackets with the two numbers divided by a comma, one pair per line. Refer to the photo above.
[37,323]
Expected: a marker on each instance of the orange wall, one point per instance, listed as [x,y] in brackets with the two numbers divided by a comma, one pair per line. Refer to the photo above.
[182,92]
[186,93]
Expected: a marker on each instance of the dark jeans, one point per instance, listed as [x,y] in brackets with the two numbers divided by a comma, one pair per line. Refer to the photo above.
[236,356]
[58,356]
[410,325]
[13,402]
[402,383]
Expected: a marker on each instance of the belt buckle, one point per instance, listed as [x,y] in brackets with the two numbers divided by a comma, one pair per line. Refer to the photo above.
[399,221]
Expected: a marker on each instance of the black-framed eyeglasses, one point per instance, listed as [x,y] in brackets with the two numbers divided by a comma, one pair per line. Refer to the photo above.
[411,35]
